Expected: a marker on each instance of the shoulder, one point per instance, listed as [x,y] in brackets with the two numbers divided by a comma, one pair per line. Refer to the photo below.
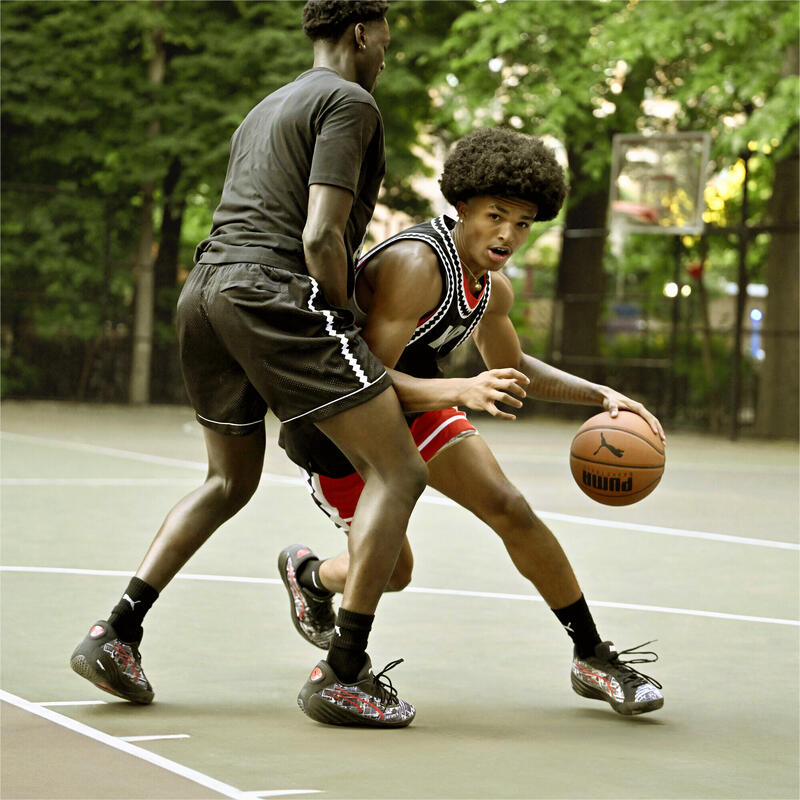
[342,91]
[412,258]
[409,268]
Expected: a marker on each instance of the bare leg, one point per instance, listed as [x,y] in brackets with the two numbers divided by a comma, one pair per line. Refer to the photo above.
[234,470]
[333,571]
[468,473]
[376,440]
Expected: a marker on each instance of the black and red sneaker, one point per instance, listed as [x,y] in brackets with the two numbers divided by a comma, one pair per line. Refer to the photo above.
[370,700]
[311,613]
[112,665]
[606,676]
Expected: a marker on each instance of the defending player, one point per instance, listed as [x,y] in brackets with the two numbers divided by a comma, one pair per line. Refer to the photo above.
[262,324]
[419,295]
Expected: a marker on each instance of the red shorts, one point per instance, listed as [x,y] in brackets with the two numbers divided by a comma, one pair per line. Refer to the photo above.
[433,431]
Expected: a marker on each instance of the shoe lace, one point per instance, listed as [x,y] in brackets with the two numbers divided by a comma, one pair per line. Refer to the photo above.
[383,685]
[645,657]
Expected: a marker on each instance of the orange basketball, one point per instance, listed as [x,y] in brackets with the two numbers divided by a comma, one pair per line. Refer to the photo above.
[616,461]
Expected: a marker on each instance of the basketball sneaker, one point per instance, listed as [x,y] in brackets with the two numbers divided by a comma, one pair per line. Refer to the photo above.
[112,665]
[605,676]
[312,614]
[370,700]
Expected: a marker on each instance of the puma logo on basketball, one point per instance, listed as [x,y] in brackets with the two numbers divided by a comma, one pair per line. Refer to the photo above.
[615,451]
[131,601]
[607,484]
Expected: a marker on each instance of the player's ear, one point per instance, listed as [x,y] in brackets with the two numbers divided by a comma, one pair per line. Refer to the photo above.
[360,36]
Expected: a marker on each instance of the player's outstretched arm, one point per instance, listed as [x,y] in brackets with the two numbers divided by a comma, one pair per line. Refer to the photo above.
[499,345]
[480,393]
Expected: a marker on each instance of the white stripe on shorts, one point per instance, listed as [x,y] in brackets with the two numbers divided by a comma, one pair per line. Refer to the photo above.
[450,421]
[345,348]
[349,357]
[315,490]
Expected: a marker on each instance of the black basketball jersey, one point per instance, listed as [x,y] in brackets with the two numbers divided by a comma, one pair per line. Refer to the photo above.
[454,318]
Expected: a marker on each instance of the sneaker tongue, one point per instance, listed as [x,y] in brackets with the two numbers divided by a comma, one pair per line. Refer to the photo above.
[366,670]
[605,650]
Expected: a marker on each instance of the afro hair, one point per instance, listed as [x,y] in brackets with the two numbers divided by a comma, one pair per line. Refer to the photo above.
[498,161]
[329,19]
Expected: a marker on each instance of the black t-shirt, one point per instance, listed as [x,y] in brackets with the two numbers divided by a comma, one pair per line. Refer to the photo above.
[319,129]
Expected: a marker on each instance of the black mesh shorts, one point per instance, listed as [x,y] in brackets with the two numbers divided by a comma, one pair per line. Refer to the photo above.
[253,337]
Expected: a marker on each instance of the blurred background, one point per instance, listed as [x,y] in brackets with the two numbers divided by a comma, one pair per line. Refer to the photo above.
[116,118]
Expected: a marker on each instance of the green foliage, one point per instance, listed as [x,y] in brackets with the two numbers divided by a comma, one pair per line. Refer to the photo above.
[82,120]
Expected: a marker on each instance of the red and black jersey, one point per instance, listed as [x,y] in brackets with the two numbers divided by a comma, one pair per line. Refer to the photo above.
[454,318]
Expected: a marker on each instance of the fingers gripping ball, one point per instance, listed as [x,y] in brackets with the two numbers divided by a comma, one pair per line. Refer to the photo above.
[616,461]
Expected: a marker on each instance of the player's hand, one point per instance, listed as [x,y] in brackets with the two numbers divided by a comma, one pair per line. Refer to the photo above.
[614,402]
[484,391]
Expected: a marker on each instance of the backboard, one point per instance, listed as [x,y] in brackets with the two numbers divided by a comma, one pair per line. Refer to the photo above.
[658,183]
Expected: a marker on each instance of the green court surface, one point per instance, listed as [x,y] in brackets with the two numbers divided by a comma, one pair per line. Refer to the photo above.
[707,565]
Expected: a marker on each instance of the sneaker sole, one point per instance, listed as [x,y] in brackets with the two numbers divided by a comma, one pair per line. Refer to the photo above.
[321,711]
[283,559]
[81,666]
[629,710]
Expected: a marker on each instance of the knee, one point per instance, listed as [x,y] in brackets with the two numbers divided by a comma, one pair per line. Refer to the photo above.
[413,478]
[510,513]
[401,576]
[232,492]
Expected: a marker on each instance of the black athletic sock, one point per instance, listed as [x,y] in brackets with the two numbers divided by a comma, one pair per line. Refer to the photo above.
[309,578]
[578,623]
[349,646]
[127,616]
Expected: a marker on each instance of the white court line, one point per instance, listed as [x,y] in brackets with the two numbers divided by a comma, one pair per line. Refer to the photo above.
[420,590]
[98,482]
[125,747]
[50,703]
[155,737]
[430,496]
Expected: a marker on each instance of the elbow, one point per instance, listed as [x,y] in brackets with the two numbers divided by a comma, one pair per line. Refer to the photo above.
[318,240]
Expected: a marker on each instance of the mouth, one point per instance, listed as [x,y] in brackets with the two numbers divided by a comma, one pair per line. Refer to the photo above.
[499,253]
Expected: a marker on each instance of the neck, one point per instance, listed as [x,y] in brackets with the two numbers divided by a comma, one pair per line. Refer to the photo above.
[334,58]
[475,275]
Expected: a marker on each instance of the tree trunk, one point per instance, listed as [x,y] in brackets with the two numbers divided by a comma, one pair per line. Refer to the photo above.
[581,277]
[165,375]
[778,412]
[139,389]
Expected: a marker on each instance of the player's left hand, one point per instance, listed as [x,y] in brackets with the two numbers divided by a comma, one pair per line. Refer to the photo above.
[614,402]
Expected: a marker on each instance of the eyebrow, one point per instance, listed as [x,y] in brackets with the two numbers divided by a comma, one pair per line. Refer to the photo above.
[506,211]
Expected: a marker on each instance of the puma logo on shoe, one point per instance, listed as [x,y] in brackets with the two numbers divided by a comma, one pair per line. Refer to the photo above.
[610,447]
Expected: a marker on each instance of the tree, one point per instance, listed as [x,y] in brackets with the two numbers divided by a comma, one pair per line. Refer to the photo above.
[93,125]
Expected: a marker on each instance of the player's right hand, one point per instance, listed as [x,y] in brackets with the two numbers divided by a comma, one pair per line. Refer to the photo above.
[485,390]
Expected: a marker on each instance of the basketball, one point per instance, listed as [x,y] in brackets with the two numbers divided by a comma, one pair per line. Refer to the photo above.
[616,461]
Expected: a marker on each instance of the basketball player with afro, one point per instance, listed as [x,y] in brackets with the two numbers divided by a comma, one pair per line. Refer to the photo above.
[418,296]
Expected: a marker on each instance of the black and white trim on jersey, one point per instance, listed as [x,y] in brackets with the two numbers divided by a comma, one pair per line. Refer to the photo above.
[454,318]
